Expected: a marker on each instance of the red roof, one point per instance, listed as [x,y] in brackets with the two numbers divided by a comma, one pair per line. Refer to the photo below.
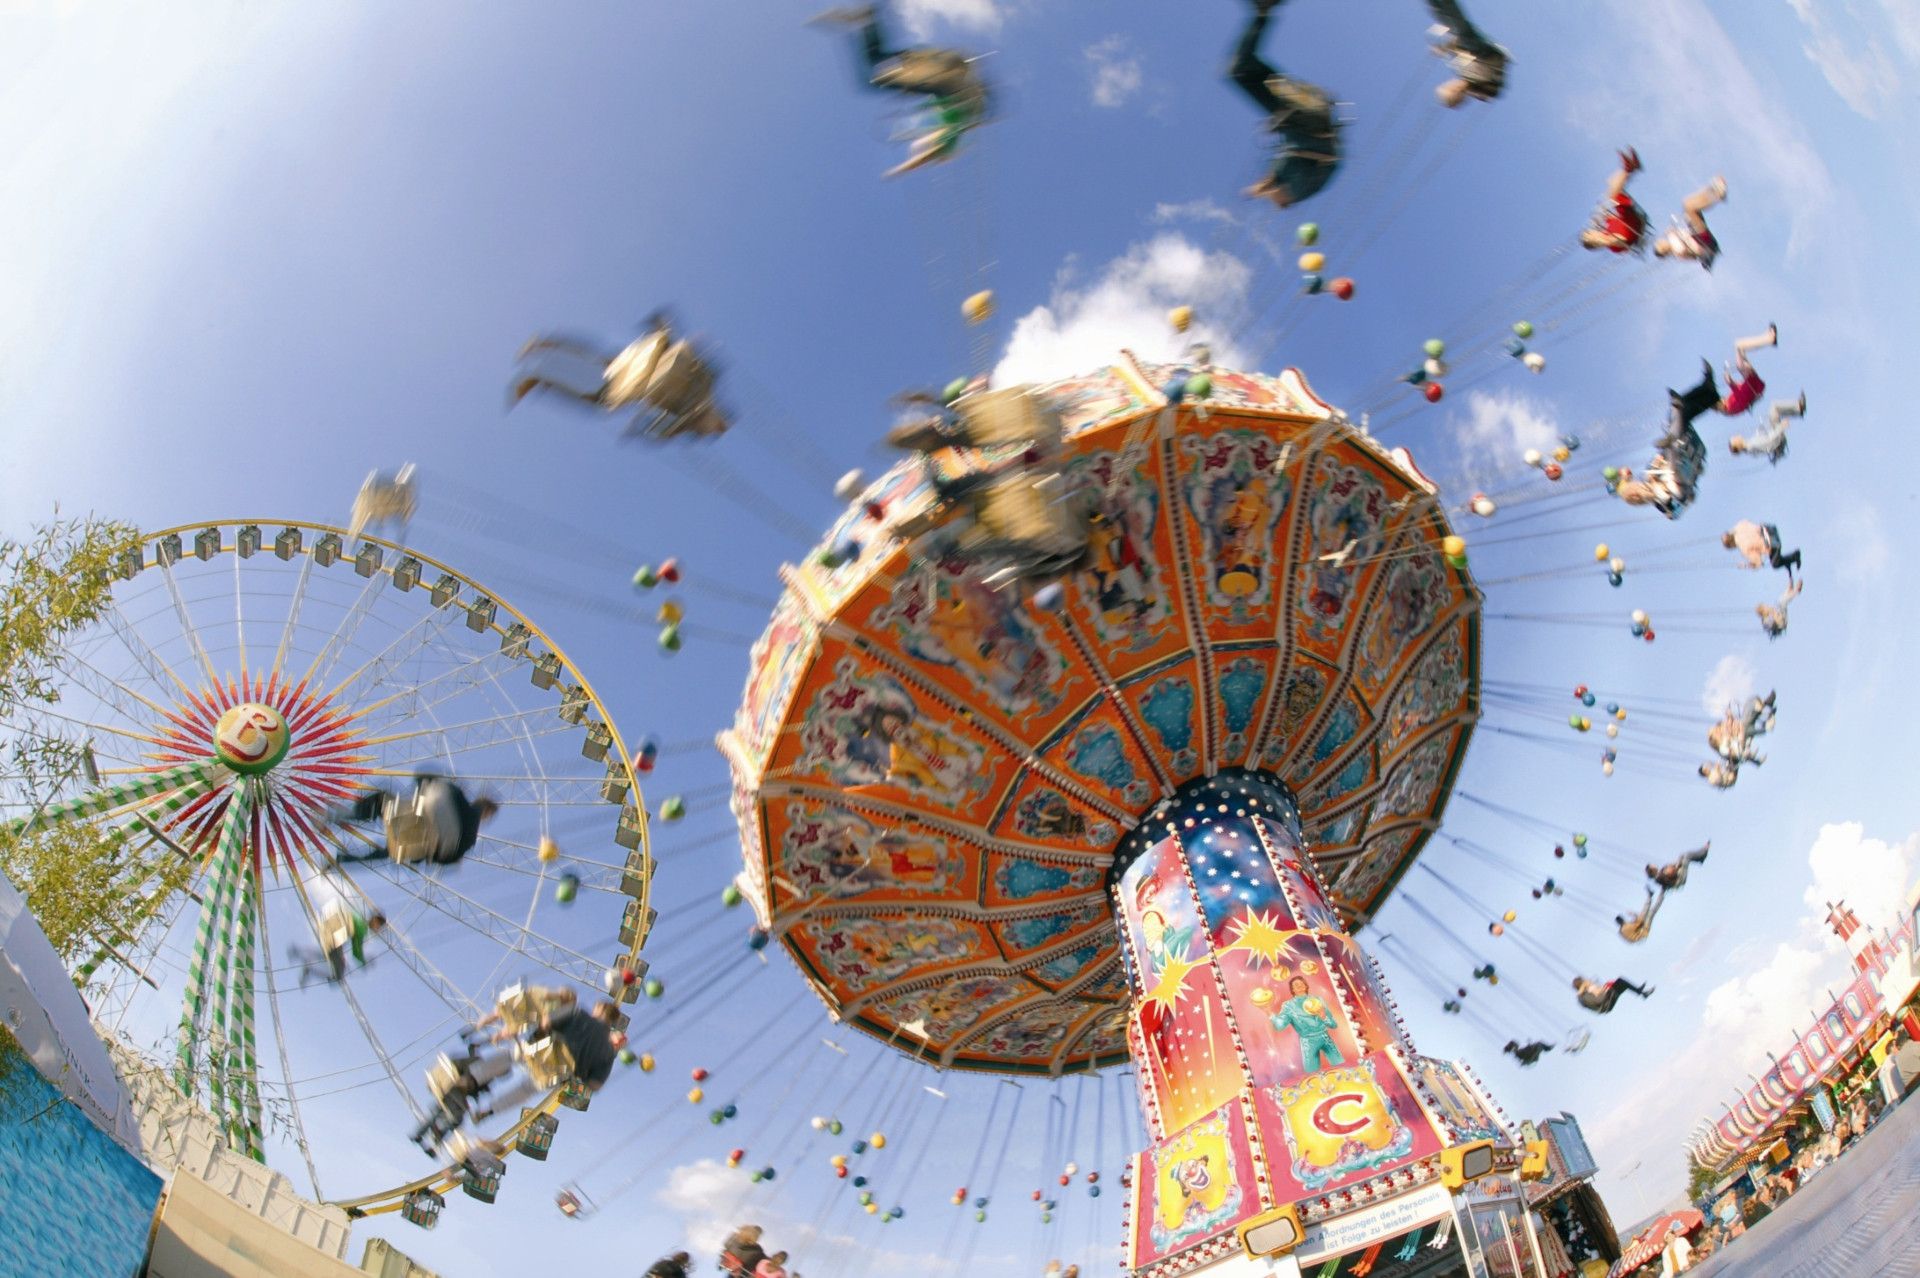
[1647,1245]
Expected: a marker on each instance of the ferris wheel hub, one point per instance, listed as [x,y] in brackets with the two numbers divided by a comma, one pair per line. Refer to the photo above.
[251,738]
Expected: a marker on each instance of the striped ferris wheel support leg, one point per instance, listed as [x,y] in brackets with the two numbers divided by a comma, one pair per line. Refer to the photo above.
[170,882]
[100,802]
[244,1067]
[215,920]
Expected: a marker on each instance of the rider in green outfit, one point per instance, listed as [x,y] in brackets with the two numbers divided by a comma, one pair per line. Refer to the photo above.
[1308,1017]
[955,97]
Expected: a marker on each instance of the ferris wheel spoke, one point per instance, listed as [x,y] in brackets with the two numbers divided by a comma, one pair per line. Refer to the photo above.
[109,691]
[520,791]
[476,734]
[359,1013]
[294,605]
[498,928]
[378,669]
[188,630]
[106,729]
[141,651]
[286,1062]
[343,634]
[406,703]
[519,858]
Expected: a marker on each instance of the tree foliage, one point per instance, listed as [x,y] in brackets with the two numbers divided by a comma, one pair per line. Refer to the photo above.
[1700,1179]
[83,883]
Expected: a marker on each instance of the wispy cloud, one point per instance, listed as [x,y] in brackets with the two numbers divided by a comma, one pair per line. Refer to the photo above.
[1498,427]
[1673,70]
[1084,325]
[1193,211]
[1118,72]
[1731,681]
[1753,1013]
[923,17]
[1858,527]
[1857,63]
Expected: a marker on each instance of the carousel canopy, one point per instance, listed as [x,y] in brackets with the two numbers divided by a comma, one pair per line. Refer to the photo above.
[931,774]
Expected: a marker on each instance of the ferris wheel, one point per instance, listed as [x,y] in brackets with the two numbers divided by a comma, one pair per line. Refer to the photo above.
[265,710]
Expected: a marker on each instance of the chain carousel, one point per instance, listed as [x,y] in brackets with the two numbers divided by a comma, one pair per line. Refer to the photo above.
[1137,813]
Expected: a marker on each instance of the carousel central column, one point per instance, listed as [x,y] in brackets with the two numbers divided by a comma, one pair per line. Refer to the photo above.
[1271,1068]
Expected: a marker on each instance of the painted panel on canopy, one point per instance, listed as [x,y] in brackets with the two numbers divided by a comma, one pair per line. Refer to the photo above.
[1232,872]
[1414,779]
[1096,749]
[1020,938]
[1334,790]
[862,952]
[1349,506]
[902,487]
[1108,987]
[1366,995]
[1089,402]
[1038,811]
[1436,687]
[1342,1125]
[1064,969]
[1234,507]
[1234,389]
[778,660]
[1241,675]
[1415,589]
[1290,1016]
[952,1008]
[1329,755]
[825,849]
[1017,879]
[1301,695]
[861,728]
[991,652]
[1167,704]
[1127,600]
[1363,876]
[1105,1040]
[1194,1186]
[1189,1044]
[1454,1102]
[1030,1036]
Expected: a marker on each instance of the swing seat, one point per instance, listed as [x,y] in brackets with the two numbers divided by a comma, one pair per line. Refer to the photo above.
[548,1062]
[411,835]
[1011,416]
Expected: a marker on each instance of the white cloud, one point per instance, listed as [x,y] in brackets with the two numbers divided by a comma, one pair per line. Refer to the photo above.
[1671,67]
[1085,326]
[1499,426]
[1193,211]
[922,16]
[1729,683]
[707,1196]
[1871,875]
[1862,74]
[1117,71]
[1745,1017]
[711,1201]
[1860,530]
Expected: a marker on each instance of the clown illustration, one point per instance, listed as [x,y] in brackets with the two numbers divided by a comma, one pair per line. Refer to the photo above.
[1307,1016]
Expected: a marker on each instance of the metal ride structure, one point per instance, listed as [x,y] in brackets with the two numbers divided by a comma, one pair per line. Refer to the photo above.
[248,680]
[1142,822]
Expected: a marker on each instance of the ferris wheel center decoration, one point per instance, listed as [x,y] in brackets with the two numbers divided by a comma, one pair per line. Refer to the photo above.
[251,738]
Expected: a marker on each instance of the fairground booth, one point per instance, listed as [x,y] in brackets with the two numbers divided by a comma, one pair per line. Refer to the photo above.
[1807,1087]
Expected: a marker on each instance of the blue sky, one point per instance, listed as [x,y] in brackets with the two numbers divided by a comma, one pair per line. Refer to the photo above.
[253,252]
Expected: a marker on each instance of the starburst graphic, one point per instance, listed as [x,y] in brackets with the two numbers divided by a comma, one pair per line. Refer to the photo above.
[1260,935]
[1170,982]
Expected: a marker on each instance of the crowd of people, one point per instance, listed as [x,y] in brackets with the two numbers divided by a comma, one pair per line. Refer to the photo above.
[1773,1187]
